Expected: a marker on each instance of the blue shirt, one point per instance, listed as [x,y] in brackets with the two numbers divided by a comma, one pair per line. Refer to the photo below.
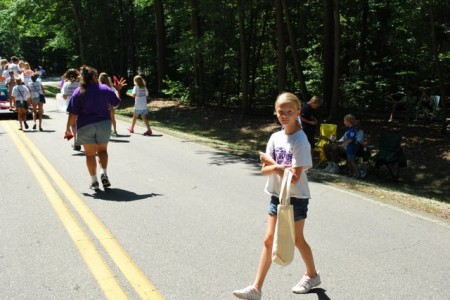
[350,135]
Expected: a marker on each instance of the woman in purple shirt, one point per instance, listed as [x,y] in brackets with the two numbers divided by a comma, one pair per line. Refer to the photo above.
[89,108]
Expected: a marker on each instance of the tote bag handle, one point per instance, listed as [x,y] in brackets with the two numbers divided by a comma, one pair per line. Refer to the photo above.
[285,191]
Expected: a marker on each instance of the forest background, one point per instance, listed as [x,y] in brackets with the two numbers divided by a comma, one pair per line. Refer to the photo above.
[232,58]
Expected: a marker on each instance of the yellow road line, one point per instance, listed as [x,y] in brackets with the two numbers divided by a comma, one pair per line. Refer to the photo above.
[95,262]
[142,285]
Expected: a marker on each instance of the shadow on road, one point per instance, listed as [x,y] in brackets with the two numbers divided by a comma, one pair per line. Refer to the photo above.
[321,295]
[119,195]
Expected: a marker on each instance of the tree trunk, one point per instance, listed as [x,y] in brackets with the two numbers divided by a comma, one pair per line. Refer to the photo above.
[245,107]
[363,38]
[335,94]
[438,66]
[295,56]
[199,84]
[160,44]
[327,54]
[281,48]
[132,51]
[76,6]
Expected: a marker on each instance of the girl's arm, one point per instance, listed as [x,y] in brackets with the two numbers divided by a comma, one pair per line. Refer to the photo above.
[276,168]
[297,171]
[71,120]
[43,90]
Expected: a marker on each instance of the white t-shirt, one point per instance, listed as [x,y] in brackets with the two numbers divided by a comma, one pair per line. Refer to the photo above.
[140,102]
[20,93]
[35,88]
[69,87]
[293,150]
[15,68]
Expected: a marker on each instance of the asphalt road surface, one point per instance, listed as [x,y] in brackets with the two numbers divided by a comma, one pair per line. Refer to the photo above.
[185,221]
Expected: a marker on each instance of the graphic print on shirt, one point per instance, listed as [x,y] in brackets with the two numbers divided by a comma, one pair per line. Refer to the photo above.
[282,157]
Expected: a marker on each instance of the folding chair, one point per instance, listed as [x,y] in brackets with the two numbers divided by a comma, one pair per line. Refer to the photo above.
[326,131]
[390,153]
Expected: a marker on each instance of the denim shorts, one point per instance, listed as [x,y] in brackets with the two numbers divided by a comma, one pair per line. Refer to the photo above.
[141,111]
[95,133]
[300,207]
[21,104]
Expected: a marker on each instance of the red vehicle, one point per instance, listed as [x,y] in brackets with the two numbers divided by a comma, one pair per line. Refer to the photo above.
[4,101]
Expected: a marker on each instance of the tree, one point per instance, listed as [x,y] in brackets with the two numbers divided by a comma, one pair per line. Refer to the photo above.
[160,43]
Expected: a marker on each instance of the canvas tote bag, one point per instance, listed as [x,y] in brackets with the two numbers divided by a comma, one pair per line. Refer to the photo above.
[284,238]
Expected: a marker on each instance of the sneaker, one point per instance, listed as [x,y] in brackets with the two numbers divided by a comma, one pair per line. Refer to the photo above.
[249,292]
[25,124]
[113,133]
[34,127]
[328,167]
[40,129]
[148,132]
[77,147]
[131,130]
[105,181]
[306,284]
[94,186]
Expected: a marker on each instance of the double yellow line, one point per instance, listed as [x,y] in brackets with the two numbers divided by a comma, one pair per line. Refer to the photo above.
[96,263]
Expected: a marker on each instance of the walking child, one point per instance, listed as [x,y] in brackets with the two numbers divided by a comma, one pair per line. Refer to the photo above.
[21,96]
[71,81]
[140,94]
[104,78]
[288,148]
[37,89]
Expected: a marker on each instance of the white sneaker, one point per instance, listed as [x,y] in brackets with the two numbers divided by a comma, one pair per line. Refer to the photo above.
[306,284]
[249,292]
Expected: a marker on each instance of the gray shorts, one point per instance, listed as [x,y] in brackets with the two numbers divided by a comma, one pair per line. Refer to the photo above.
[95,133]
[300,207]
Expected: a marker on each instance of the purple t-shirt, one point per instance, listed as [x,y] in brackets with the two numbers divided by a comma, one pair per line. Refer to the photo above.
[94,106]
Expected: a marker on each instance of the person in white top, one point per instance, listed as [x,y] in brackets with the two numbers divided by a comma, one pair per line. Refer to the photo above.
[288,148]
[14,66]
[26,74]
[21,96]
[71,83]
[140,95]
[37,89]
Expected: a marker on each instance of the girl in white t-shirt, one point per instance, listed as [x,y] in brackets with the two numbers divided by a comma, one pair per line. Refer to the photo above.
[71,83]
[140,95]
[288,148]
[21,95]
[37,89]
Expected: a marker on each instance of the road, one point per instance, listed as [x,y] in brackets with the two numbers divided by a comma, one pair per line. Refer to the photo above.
[185,221]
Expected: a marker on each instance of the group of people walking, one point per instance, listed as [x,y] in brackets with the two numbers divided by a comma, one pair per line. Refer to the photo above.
[24,89]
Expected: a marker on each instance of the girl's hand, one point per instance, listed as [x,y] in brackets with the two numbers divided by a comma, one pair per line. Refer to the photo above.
[118,85]
[266,159]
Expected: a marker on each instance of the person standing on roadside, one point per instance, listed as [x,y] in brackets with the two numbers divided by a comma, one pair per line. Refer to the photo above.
[309,119]
[89,108]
